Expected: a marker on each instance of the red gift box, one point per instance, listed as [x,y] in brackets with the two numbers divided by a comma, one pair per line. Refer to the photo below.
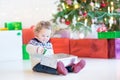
[27,35]
[111,48]
[114,48]
[95,48]
[80,47]
[99,48]
[60,45]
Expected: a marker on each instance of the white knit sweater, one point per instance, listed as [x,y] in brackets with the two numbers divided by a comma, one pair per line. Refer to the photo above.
[35,57]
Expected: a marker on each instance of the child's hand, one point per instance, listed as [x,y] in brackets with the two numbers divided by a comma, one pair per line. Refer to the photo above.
[40,50]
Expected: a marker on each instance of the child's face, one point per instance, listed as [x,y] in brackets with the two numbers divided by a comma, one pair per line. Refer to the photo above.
[44,35]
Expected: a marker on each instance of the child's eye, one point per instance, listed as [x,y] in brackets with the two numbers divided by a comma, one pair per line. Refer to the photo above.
[44,36]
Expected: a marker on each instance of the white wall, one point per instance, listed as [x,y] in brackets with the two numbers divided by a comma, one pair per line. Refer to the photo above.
[29,12]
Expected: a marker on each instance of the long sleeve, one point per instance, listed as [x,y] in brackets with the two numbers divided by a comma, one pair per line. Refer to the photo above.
[31,49]
[35,48]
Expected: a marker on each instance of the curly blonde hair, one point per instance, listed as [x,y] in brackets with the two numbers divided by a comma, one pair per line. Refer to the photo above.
[42,24]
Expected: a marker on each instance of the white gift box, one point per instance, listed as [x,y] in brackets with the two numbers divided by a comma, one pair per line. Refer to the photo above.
[52,60]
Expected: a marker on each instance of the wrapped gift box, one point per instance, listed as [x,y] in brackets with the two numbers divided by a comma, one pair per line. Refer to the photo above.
[80,47]
[3,29]
[27,35]
[52,60]
[117,48]
[25,54]
[99,48]
[114,48]
[109,35]
[60,45]
[93,48]
[13,25]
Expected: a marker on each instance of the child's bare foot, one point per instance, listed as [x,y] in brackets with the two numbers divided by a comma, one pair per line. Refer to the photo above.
[79,66]
[61,68]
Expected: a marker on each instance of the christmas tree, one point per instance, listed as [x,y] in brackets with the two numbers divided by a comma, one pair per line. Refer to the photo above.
[80,15]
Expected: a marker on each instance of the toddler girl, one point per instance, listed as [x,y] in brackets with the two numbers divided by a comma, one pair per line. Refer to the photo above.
[41,46]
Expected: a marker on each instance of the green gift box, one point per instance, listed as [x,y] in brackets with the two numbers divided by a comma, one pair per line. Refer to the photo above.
[117,34]
[13,25]
[25,53]
[109,35]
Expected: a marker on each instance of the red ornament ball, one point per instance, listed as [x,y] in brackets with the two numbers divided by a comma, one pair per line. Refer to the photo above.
[85,14]
[67,22]
[102,5]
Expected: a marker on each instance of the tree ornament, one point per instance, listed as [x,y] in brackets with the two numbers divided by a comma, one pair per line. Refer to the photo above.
[92,5]
[80,12]
[97,5]
[63,6]
[112,9]
[108,9]
[81,35]
[76,5]
[110,22]
[102,28]
[111,3]
[59,9]
[94,20]
[69,2]
[103,4]
[85,14]
[85,22]
[62,20]
[66,16]
[67,22]
[74,21]
[78,19]
[67,6]
[118,10]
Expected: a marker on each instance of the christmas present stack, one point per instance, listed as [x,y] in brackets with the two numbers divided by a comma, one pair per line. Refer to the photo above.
[101,17]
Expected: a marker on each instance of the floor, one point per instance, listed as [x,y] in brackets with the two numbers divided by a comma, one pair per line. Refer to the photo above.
[95,69]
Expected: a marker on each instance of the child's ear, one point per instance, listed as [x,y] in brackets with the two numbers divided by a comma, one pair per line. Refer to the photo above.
[36,34]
